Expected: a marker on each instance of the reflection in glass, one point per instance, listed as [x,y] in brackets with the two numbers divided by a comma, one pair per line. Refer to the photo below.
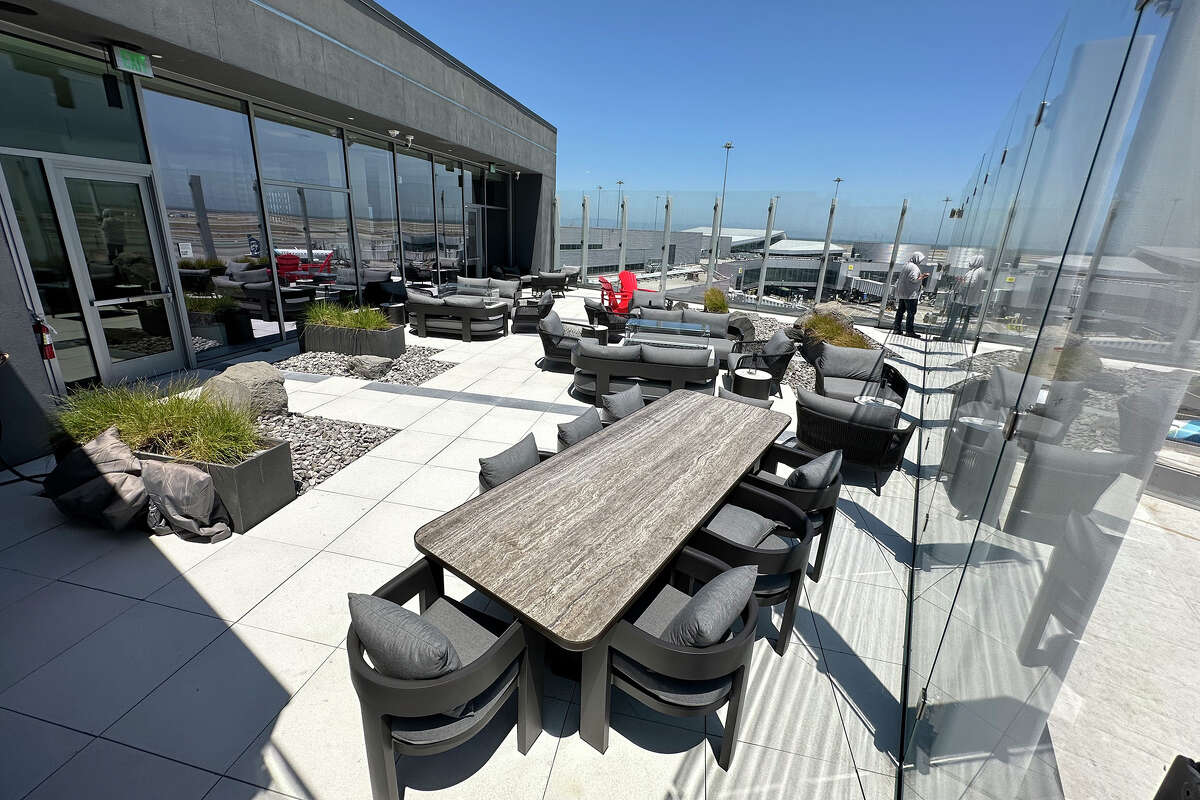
[473,193]
[51,270]
[67,104]
[496,188]
[497,242]
[310,232]
[448,196]
[205,162]
[414,175]
[298,150]
[373,194]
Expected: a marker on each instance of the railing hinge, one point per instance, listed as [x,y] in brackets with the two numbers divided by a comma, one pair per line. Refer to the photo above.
[1041,113]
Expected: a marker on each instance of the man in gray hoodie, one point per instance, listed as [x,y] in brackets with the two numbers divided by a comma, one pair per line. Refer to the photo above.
[907,290]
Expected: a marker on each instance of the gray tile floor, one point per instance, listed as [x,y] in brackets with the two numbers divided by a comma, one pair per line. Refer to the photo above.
[157,667]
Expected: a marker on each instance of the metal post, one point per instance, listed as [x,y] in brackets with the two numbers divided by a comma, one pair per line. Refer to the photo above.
[666,247]
[825,253]
[713,243]
[555,234]
[624,236]
[583,244]
[887,283]
[762,271]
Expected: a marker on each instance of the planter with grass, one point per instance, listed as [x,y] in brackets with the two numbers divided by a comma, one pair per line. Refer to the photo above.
[822,327]
[221,319]
[252,475]
[331,328]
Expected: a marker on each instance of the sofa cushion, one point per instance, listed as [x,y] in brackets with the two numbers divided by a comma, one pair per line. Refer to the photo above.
[707,617]
[401,644]
[252,276]
[454,325]
[675,356]
[678,692]
[850,362]
[660,315]
[376,275]
[552,325]
[741,525]
[506,289]
[621,404]
[443,727]
[643,298]
[578,429]
[592,349]
[478,283]
[472,291]
[422,299]
[346,276]
[779,344]
[875,416]
[509,463]
[818,473]
[741,398]
[718,324]
[461,301]
[850,388]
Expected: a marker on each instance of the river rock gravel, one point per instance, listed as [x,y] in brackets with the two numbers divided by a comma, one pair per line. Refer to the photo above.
[416,366]
[321,446]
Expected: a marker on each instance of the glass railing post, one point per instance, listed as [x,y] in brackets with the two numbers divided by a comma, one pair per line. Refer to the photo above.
[714,243]
[583,244]
[555,234]
[666,247]
[624,235]
[762,271]
[887,282]
[825,253]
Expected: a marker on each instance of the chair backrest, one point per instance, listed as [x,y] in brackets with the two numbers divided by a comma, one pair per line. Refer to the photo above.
[611,300]
[287,262]
[628,286]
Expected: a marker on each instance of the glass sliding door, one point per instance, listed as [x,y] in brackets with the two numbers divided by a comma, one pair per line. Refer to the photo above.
[414,187]
[448,197]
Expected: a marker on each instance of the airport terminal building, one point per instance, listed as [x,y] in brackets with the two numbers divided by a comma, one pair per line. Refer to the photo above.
[166,171]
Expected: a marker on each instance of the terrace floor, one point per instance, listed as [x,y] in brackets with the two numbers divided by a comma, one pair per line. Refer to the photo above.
[153,667]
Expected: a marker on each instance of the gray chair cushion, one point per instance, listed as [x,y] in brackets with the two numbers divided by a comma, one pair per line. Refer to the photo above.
[741,525]
[507,289]
[740,398]
[421,299]
[621,404]
[717,324]
[347,276]
[588,302]
[508,464]
[441,727]
[578,429]
[870,415]
[552,324]
[818,473]
[1004,387]
[707,617]
[850,388]
[779,344]
[252,276]
[675,356]
[401,644]
[376,274]
[850,362]
[660,315]
[593,349]
[694,694]
[465,301]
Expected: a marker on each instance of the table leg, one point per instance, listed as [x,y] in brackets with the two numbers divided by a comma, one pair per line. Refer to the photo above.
[594,697]
[530,690]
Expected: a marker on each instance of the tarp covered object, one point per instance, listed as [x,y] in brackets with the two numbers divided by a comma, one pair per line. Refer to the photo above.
[182,500]
[100,481]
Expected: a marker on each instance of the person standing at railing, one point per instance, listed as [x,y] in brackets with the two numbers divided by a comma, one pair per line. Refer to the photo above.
[906,291]
[968,295]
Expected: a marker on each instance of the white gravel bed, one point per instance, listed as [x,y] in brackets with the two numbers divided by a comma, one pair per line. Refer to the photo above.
[416,366]
[320,446]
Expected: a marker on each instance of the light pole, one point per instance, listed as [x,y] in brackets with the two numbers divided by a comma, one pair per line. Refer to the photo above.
[715,244]
[599,189]
[620,195]
[837,184]
[657,197]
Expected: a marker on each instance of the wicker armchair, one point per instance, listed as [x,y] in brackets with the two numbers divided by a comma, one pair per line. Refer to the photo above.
[868,436]
[772,355]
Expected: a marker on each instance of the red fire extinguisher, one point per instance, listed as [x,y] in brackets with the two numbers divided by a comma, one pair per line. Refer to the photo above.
[43,333]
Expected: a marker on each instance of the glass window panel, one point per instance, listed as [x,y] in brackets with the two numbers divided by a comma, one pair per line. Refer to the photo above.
[299,150]
[448,186]
[116,239]
[496,189]
[66,104]
[373,197]
[414,175]
[52,275]
[473,184]
[205,163]
[497,241]
[310,231]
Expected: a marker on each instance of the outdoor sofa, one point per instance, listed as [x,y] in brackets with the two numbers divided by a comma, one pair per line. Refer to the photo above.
[721,337]
[601,369]
[468,317]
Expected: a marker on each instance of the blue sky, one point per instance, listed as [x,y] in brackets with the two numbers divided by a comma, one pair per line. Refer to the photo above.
[899,98]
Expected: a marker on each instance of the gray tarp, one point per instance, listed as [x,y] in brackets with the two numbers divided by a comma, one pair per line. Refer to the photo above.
[183,501]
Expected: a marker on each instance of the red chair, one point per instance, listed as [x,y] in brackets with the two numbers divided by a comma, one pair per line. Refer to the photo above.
[611,300]
[287,266]
[324,266]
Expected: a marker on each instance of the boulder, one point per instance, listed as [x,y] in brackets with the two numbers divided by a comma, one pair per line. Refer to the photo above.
[254,385]
[369,367]
[742,323]
[834,310]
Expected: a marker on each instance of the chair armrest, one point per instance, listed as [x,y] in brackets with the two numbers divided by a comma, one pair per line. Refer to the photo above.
[894,380]
[807,500]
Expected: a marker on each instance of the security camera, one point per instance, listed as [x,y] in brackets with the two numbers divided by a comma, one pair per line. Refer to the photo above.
[518,174]
[393,133]
[408,137]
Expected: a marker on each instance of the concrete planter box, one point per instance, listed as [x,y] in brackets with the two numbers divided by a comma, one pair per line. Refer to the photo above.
[252,490]
[354,342]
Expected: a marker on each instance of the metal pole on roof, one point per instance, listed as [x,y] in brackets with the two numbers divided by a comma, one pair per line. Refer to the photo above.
[887,282]
[713,243]
[583,243]
[666,248]
[624,236]
[555,233]
[825,252]
[762,271]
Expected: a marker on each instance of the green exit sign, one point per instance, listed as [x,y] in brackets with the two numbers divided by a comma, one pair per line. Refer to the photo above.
[129,61]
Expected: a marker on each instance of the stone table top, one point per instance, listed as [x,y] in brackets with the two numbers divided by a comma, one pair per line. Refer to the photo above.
[569,544]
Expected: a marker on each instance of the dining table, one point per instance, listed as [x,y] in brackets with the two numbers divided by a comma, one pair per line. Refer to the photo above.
[569,545]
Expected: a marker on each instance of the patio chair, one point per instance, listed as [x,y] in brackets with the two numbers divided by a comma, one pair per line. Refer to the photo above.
[555,282]
[508,464]
[813,487]
[845,373]
[429,715]
[527,313]
[772,355]
[597,314]
[685,680]
[557,341]
[613,300]
[759,528]
[869,436]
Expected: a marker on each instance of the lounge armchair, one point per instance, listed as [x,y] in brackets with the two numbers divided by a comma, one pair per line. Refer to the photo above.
[869,436]
[845,373]
[772,355]
[416,717]
[597,314]
[527,313]
[555,282]
[678,679]
[557,340]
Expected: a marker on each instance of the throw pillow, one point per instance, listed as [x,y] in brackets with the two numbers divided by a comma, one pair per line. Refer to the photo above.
[818,473]
[622,404]
[508,464]
[779,344]
[710,613]
[552,325]
[578,429]
[400,643]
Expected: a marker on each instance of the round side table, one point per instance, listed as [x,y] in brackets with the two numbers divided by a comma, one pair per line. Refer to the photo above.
[754,383]
[597,332]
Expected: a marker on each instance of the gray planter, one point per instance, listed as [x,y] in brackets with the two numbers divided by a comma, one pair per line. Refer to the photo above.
[252,490]
[353,342]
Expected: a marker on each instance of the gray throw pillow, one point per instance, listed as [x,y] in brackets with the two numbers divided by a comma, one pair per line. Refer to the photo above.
[252,276]
[818,473]
[472,283]
[400,643]
[346,276]
[710,613]
[471,291]
[675,356]
[718,324]
[509,464]
[660,315]
[621,404]
[741,398]
[591,349]
[552,325]
[578,429]
[507,289]
[779,344]
[545,302]
[850,362]
[421,299]
[461,301]
[376,275]
[876,416]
